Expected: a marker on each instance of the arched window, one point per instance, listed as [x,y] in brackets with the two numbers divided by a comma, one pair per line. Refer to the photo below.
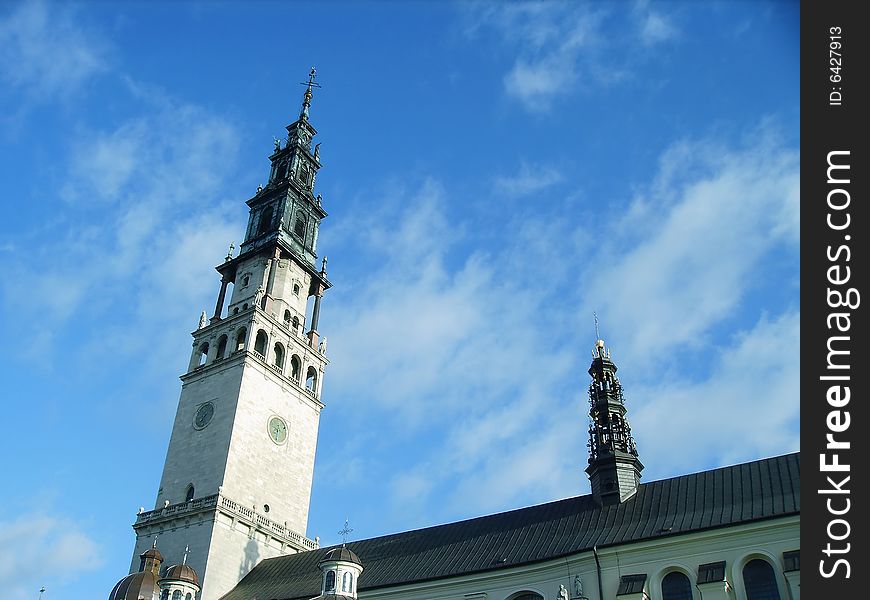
[346,580]
[188,495]
[760,581]
[240,339]
[311,379]
[164,595]
[528,596]
[329,585]
[295,324]
[676,586]
[260,343]
[246,280]
[203,353]
[295,289]
[176,595]
[222,347]
[265,220]
[295,367]
[279,355]
[287,316]
[188,596]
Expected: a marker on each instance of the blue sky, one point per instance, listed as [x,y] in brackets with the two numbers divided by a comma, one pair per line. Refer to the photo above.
[494,173]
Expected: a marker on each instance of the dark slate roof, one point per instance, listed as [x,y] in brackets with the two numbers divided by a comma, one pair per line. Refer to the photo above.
[342,553]
[754,491]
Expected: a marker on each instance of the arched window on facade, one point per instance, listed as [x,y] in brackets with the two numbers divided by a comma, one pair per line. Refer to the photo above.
[676,586]
[164,595]
[203,353]
[295,368]
[279,355]
[528,596]
[265,221]
[286,316]
[176,595]
[295,324]
[329,585]
[346,581]
[222,347]
[188,495]
[311,380]
[240,339]
[260,343]
[760,580]
[188,596]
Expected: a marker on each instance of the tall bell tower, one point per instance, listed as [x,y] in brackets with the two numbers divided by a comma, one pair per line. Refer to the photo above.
[236,484]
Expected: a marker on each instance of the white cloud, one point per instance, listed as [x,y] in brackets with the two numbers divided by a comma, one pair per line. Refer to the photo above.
[560,47]
[747,408]
[529,180]
[477,374]
[690,246]
[45,53]
[42,550]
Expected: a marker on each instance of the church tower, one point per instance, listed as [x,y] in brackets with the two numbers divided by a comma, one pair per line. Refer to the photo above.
[614,468]
[236,484]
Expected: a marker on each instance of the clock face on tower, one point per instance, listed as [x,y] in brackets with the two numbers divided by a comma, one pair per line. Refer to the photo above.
[277,430]
[203,415]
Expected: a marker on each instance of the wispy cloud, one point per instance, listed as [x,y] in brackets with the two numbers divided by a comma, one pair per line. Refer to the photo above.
[528,180]
[559,46]
[44,549]
[478,368]
[45,52]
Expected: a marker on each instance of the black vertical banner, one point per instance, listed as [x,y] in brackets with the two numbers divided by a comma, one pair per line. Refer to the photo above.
[835,369]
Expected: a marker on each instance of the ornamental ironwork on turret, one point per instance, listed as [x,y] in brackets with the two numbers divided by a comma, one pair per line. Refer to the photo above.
[614,467]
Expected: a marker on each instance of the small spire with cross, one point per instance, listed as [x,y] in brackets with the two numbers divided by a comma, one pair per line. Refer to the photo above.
[306,99]
[186,552]
[344,532]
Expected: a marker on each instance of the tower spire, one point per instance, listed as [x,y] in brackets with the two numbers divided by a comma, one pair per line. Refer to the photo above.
[614,467]
[306,98]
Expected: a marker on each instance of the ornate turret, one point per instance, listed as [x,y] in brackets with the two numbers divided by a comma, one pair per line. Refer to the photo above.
[614,468]
[341,568]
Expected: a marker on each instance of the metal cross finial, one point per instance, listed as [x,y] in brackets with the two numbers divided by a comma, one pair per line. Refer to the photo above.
[186,551]
[346,530]
[41,591]
[306,100]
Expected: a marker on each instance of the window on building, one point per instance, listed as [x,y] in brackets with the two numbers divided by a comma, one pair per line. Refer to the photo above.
[528,596]
[296,324]
[222,347]
[287,316]
[188,596]
[631,584]
[265,221]
[260,342]
[164,595]
[760,581]
[176,595]
[240,339]
[299,226]
[188,495]
[346,579]
[279,355]
[329,585]
[311,379]
[246,280]
[203,353]
[295,367]
[295,289]
[711,572]
[791,560]
[676,586]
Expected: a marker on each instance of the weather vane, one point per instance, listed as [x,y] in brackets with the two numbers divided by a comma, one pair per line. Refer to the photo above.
[311,83]
[344,531]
